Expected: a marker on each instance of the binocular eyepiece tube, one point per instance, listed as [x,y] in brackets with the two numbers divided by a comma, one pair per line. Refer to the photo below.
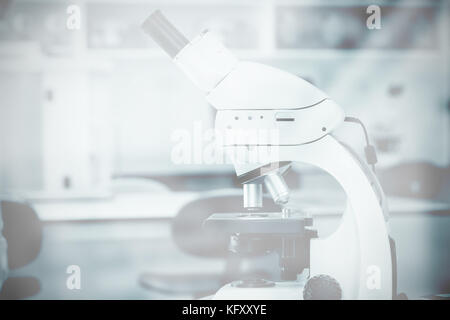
[164,33]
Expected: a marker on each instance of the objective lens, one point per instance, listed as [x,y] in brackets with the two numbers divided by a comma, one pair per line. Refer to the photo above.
[278,188]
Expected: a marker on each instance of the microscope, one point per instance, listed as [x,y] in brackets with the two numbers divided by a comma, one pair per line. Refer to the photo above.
[269,119]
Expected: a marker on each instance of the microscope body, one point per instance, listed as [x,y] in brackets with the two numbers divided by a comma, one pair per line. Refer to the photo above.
[267,119]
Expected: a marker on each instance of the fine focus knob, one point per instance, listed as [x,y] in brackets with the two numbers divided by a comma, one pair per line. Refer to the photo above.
[322,287]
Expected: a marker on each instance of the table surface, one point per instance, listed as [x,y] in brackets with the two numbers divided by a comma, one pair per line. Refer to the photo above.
[113,254]
[115,240]
[141,205]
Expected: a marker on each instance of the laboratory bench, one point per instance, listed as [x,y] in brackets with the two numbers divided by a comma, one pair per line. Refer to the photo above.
[114,252]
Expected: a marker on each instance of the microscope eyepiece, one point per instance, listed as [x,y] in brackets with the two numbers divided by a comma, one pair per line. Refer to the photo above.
[204,59]
[164,33]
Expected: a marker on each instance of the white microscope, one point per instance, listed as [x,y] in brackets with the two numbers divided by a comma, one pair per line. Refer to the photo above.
[357,261]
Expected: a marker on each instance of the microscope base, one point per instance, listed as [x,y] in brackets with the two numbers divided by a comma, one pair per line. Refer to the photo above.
[287,290]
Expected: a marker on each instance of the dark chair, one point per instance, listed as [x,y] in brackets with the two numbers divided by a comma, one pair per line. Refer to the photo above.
[23,233]
[416,180]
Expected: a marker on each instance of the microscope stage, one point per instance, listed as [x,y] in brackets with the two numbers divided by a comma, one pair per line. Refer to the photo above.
[258,223]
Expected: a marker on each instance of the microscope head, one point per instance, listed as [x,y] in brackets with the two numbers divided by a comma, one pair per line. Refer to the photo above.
[258,106]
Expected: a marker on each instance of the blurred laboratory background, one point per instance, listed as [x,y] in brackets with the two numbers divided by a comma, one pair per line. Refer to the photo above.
[88,109]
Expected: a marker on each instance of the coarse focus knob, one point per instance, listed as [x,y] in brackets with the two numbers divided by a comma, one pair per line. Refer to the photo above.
[322,287]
